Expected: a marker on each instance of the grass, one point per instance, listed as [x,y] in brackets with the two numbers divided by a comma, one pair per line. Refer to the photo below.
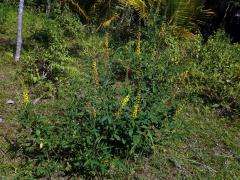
[9,89]
[206,146]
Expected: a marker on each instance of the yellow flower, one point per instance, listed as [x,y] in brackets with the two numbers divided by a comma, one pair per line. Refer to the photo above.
[94,113]
[106,44]
[95,73]
[184,75]
[179,110]
[25,97]
[136,107]
[138,49]
[41,143]
[106,49]
[125,101]
[123,104]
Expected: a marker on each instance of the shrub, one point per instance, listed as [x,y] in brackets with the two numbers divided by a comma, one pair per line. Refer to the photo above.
[46,60]
[2,15]
[215,75]
[103,119]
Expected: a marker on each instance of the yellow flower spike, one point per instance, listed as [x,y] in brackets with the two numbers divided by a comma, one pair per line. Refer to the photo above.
[25,97]
[136,107]
[106,49]
[41,143]
[138,49]
[95,73]
[123,104]
[179,109]
[125,101]
[106,40]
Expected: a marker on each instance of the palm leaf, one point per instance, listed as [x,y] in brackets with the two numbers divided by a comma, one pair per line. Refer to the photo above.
[137,5]
[80,10]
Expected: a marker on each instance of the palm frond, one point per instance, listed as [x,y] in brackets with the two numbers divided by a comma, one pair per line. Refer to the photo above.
[108,22]
[187,13]
[79,9]
[137,5]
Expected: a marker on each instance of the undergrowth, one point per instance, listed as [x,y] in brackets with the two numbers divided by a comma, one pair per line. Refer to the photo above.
[115,112]
[215,76]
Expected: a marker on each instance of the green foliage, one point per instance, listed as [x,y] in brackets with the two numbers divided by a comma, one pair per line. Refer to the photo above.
[4,11]
[2,15]
[215,75]
[114,113]
[188,14]
[46,60]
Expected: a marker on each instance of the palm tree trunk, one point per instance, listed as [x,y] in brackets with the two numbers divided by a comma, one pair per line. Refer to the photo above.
[19,33]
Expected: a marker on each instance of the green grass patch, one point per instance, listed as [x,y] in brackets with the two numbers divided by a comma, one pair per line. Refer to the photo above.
[9,89]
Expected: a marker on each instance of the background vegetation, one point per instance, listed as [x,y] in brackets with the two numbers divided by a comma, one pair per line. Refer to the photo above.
[124,89]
